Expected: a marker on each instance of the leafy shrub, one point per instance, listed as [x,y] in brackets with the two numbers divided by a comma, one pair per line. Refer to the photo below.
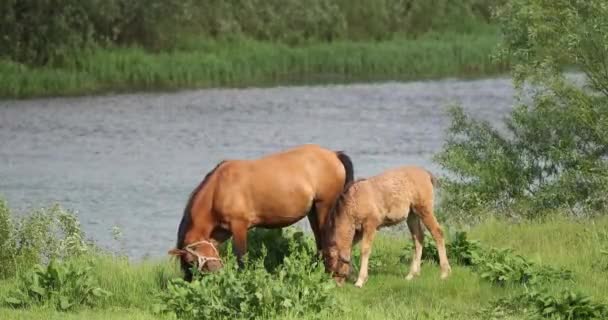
[464,251]
[43,32]
[501,266]
[298,286]
[39,237]
[459,249]
[64,285]
[566,305]
[7,243]
[273,245]
[48,234]
[553,152]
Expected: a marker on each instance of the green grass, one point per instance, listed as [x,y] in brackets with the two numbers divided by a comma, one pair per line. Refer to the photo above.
[574,245]
[201,63]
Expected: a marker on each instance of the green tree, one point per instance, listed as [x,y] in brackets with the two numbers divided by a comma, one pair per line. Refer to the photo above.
[554,154]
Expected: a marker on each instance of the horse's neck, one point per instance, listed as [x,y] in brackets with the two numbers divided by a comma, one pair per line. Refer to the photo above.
[202,224]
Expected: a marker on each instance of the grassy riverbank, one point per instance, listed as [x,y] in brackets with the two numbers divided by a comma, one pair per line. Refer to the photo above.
[470,293]
[205,63]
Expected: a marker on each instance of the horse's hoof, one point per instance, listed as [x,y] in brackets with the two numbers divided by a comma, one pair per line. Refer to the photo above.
[409,277]
[359,284]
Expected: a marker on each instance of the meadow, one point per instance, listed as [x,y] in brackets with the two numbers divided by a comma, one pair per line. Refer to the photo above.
[560,254]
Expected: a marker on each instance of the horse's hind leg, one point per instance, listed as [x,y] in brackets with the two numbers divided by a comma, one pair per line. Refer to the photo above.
[239,232]
[369,231]
[413,223]
[429,220]
[318,218]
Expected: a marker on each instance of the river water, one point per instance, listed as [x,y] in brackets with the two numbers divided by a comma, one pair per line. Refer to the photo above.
[131,160]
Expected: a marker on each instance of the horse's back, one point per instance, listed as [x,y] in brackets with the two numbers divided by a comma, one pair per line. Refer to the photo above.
[279,186]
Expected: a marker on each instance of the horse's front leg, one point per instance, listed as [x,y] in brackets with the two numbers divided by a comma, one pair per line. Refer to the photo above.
[369,233]
[239,232]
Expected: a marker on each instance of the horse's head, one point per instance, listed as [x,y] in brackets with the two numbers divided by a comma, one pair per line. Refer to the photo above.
[336,264]
[202,254]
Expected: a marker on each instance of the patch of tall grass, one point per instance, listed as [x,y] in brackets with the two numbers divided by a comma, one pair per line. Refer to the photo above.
[202,63]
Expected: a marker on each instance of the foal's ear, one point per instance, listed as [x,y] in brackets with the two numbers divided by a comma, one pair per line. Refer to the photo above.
[177,252]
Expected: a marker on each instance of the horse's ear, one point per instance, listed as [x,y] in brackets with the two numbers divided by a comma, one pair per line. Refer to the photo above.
[177,252]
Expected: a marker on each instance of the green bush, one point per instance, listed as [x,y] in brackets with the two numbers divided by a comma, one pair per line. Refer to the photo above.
[566,304]
[64,285]
[41,32]
[38,238]
[501,266]
[7,243]
[460,249]
[51,32]
[48,234]
[273,245]
[553,154]
[298,286]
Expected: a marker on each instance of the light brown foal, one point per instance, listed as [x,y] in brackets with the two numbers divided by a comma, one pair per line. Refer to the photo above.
[382,200]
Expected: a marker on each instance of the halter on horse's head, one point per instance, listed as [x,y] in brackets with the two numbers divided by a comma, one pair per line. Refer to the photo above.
[203,253]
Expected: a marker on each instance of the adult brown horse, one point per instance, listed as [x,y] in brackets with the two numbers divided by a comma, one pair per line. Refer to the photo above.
[274,191]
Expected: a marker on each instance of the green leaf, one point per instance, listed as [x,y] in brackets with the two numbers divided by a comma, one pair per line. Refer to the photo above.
[38,290]
[13,301]
[98,292]
[64,303]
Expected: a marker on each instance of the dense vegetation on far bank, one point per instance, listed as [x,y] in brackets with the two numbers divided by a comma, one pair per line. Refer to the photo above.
[253,63]
[79,47]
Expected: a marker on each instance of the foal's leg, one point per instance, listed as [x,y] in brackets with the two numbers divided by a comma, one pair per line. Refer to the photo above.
[369,231]
[429,220]
[413,223]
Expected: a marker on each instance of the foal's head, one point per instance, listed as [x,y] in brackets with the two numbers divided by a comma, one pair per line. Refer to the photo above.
[336,264]
[338,239]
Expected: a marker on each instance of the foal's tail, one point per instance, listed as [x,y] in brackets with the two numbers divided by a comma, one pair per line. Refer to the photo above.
[348,167]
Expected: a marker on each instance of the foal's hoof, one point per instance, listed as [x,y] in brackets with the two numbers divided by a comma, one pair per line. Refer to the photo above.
[359,284]
[445,274]
[412,275]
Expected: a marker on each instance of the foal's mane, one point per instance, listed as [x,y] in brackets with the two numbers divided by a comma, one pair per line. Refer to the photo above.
[336,209]
[184,225]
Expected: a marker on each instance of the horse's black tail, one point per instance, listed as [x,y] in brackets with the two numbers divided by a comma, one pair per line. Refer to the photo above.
[348,167]
[434,180]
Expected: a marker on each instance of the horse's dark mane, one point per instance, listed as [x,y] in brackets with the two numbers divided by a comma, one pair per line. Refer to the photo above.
[184,225]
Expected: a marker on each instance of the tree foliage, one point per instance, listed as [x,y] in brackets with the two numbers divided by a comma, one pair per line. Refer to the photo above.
[554,152]
[49,32]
